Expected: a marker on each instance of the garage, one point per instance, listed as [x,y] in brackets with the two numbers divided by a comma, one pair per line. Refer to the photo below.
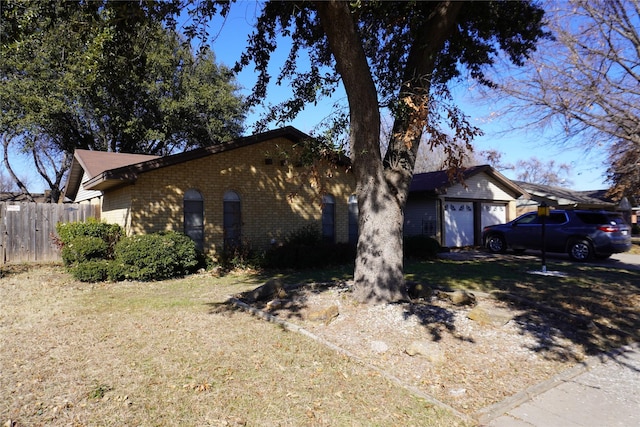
[458,224]
[454,211]
[493,213]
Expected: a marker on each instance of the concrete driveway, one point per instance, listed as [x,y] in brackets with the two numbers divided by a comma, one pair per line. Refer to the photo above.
[623,260]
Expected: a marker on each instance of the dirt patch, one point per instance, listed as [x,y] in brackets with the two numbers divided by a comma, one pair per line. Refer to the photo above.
[434,345]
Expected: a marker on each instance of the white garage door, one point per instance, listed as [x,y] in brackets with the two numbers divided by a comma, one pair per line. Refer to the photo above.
[493,213]
[458,223]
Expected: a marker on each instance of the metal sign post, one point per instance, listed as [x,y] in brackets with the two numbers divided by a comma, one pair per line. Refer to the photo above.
[543,212]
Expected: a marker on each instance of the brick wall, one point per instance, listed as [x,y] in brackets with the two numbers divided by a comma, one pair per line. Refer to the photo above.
[276,198]
[116,207]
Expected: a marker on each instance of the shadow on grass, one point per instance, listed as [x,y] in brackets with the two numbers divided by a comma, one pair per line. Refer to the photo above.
[593,306]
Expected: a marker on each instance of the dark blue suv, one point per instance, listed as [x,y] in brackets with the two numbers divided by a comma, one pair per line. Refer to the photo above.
[581,234]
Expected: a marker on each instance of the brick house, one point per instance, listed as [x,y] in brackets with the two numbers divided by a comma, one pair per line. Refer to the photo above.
[254,190]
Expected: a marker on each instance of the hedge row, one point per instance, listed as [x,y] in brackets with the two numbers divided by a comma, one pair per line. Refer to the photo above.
[305,248]
[95,251]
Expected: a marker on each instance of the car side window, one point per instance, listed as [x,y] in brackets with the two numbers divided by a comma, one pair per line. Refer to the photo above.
[592,218]
[527,219]
[557,218]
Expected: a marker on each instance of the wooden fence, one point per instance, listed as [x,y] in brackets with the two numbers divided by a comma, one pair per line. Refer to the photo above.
[26,229]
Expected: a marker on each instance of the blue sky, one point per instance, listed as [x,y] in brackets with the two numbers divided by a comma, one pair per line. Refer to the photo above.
[228,40]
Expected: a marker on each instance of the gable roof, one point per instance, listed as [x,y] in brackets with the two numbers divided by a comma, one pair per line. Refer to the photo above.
[438,182]
[563,197]
[107,170]
[93,163]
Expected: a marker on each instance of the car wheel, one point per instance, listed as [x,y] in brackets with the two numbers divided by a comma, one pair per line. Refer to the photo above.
[580,250]
[496,244]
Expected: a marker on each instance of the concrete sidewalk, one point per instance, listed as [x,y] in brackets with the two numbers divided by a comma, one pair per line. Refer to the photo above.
[605,392]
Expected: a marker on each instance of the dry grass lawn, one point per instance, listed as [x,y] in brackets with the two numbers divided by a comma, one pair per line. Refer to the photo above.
[151,354]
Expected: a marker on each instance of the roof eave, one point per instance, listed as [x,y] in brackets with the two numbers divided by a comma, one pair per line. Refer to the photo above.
[74,179]
[108,180]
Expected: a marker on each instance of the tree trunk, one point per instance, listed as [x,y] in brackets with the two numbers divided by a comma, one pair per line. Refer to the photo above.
[400,159]
[383,188]
[378,271]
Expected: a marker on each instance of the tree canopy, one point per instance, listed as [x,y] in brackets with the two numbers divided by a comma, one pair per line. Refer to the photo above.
[107,76]
[398,56]
[394,56]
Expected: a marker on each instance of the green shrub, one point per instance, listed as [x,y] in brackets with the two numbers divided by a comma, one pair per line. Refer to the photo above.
[309,235]
[305,256]
[304,248]
[90,271]
[109,233]
[83,248]
[155,256]
[421,247]
[241,256]
[635,229]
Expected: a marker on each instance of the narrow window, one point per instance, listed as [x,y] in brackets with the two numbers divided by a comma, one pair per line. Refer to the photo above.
[328,218]
[232,221]
[353,220]
[193,208]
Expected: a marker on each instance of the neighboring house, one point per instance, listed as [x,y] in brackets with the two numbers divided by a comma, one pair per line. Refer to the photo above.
[562,198]
[250,191]
[21,197]
[454,212]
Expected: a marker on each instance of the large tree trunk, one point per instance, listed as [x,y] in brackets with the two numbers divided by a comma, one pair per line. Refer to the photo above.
[378,271]
[400,159]
[382,188]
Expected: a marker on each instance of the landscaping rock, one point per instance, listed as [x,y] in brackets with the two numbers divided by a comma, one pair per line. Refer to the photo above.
[418,290]
[458,297]
[273,288]
[379,346]
[276,304]
[427,349]
[325,315]
[485,315]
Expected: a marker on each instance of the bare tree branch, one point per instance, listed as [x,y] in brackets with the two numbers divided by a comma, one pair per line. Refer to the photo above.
[6,140]
[585,82]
